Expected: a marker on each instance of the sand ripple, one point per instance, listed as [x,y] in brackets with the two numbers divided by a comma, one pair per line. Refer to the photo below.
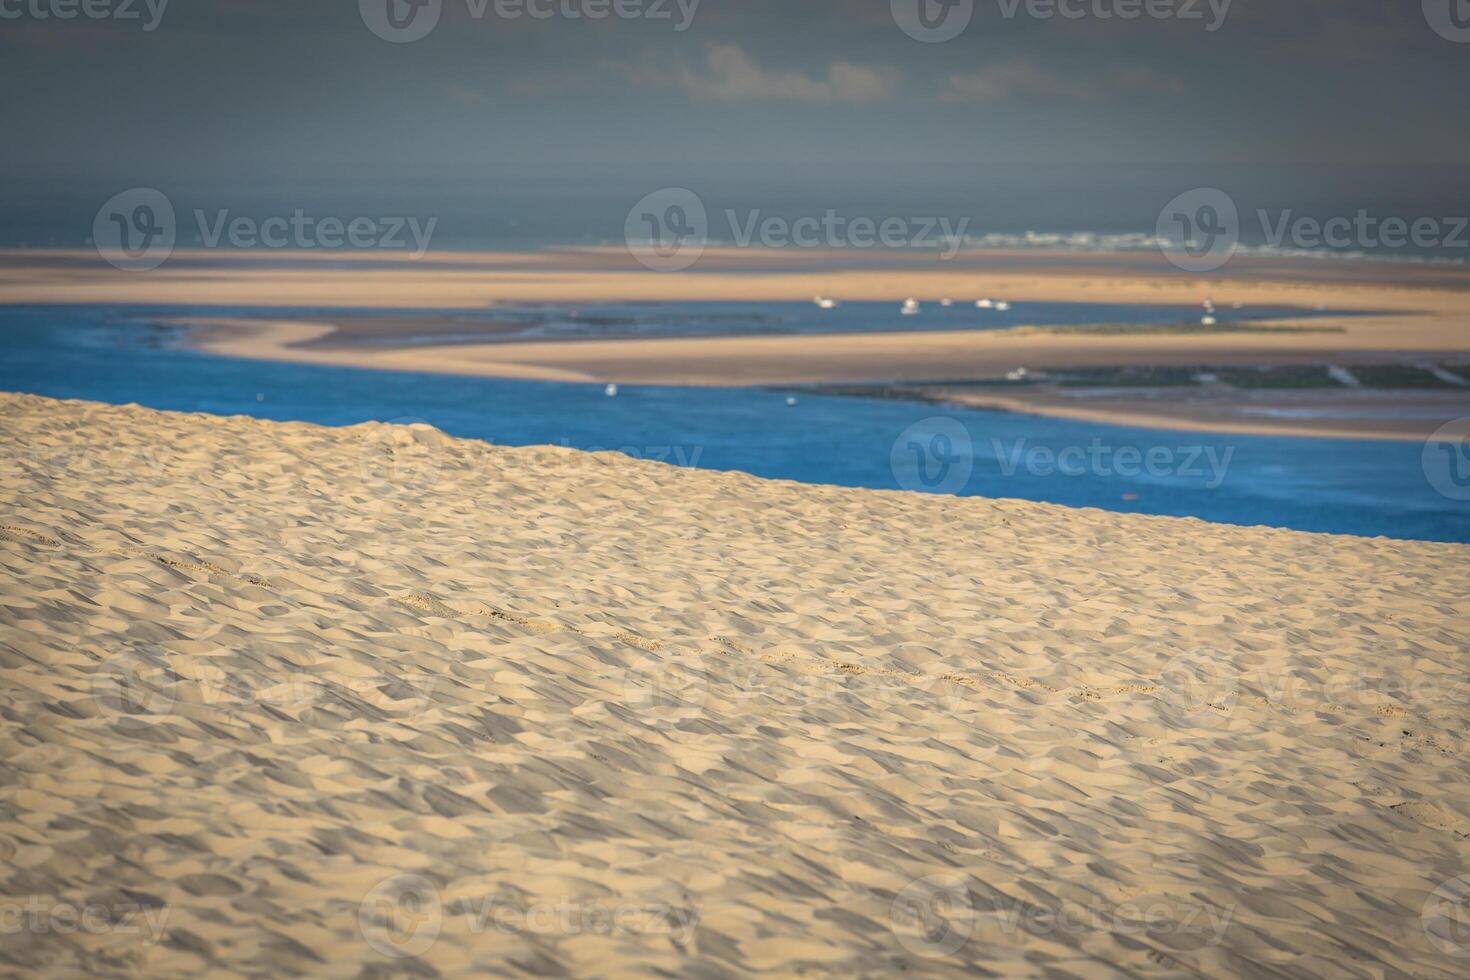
[280,699]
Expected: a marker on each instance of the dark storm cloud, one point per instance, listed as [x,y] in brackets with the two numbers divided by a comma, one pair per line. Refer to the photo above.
[305,94]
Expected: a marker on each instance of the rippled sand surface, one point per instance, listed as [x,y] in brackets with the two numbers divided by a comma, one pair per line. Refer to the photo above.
[281,699]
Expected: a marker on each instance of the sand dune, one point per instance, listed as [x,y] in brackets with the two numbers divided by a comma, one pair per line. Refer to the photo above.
[281,699]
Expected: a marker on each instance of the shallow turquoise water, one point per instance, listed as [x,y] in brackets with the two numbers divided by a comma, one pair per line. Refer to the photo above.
[110,354]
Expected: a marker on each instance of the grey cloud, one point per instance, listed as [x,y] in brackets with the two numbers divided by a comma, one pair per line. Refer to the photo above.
[1020,78]
[729,74]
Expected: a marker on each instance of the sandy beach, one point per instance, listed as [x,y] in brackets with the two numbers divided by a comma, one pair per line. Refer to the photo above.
[374,701]
[1397,415]
[664,489]
[1415,315]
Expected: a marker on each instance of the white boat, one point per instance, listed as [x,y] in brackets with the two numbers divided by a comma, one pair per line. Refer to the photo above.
[1207,321]
[611,391]
[825,303]
[910,307]
[1019,374]
[1002,305]
[984,304]
[946,302]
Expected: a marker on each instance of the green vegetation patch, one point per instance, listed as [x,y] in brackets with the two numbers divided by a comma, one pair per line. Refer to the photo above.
[1126,329]
[1286,376]
[1400,376]
[1143,376]
[1392,376]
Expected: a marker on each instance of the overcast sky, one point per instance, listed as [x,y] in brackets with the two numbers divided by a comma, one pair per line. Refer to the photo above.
[302,94]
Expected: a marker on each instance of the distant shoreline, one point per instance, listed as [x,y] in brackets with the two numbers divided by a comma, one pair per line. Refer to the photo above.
[1143,413]
[1423,314]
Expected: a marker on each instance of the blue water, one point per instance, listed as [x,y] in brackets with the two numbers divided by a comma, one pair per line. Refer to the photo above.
[1355,487]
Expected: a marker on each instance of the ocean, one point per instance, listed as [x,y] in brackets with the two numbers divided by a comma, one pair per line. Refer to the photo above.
[117,355]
